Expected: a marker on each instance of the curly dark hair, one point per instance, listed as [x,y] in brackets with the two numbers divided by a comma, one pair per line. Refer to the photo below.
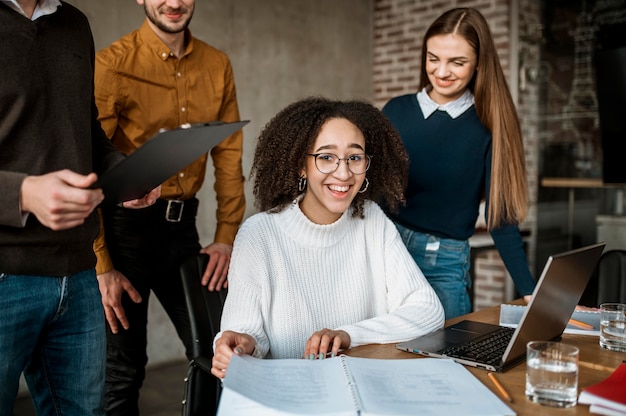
[285,141]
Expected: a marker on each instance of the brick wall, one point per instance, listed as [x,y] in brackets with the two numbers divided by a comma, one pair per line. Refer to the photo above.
[489,287]
[399,26]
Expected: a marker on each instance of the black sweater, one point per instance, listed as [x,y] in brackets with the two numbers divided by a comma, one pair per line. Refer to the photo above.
[48,122]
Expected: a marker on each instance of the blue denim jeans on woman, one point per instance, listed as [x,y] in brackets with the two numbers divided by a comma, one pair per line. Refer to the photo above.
[445,263]
[52,329]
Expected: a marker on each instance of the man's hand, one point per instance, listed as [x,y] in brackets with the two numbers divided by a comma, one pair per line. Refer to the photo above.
[60,200]
[216,272]
[145,201]
[112,285]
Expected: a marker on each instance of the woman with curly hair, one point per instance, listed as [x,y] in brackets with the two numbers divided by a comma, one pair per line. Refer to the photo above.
[322,268]
[464,141]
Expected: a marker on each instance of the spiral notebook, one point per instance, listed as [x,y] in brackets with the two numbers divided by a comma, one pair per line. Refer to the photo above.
[583,322]
[354,386]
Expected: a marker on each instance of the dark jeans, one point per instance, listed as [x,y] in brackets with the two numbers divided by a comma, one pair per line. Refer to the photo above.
[148,250]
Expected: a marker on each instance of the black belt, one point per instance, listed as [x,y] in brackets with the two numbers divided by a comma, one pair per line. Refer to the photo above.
[175,210]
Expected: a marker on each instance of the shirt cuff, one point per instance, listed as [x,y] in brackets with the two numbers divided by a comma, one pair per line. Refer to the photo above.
[225,233]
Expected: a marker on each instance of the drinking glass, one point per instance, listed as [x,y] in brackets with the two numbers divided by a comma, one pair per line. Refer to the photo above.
[552,373]
[613,326]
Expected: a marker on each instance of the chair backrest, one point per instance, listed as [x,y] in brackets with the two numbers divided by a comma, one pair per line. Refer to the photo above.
[205,308]
[202,389]
[612,277]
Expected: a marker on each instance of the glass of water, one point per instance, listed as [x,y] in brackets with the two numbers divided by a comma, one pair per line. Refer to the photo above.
[552,373]
[613,326]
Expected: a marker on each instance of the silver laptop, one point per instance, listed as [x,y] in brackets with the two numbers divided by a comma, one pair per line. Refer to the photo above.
[497,348]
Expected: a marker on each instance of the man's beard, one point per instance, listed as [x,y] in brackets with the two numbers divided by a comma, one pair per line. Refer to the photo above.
[153,17]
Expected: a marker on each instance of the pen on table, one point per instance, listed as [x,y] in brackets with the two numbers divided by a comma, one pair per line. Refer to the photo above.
[580,324]
[594,366]
[503,392]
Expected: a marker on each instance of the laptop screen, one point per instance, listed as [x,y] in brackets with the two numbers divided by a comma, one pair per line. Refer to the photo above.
[558,291]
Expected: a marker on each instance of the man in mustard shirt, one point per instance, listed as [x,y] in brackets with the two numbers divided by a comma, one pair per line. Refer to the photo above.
[156,77]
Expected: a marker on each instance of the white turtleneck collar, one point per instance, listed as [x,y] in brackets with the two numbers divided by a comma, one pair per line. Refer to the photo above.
[304,231]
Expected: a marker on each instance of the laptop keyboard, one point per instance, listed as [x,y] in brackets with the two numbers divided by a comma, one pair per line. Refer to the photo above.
[488,350]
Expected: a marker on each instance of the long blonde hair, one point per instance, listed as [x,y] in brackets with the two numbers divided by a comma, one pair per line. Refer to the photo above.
[508,200]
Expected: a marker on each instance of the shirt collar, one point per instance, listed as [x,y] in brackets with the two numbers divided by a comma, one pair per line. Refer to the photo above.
[156,44]
[453,108]
[44,7]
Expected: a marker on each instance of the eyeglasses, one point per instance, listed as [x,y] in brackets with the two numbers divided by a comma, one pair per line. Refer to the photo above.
[327,163]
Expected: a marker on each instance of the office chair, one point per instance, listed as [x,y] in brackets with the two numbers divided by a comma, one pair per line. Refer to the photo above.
[608,281]
[612,277]
[202,389]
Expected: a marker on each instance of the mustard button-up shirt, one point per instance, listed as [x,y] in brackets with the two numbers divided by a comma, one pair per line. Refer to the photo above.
[141,87]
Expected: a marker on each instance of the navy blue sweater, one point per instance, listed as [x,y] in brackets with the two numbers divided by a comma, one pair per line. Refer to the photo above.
[450,170]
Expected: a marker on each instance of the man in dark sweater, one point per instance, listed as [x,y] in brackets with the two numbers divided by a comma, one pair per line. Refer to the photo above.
[52,324]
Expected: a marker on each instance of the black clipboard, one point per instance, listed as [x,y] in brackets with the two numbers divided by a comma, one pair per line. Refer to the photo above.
[165,154]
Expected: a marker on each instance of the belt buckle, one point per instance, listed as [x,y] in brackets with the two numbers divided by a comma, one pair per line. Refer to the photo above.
[174,210]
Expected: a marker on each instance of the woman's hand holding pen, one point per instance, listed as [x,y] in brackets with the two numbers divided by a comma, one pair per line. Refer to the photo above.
[228,344]
[325,342]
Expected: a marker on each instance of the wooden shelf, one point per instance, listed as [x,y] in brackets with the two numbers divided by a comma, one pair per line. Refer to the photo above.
[578,183]
[571,184]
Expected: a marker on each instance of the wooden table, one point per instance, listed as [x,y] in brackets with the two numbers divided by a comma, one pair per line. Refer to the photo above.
[514,379]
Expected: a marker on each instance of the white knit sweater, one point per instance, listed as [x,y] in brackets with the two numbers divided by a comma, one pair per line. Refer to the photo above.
[290,277]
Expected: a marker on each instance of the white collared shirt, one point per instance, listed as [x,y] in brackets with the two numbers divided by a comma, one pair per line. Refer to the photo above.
[453,108]
[43,7]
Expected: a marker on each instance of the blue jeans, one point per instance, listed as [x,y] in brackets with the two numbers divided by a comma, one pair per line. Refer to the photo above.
[445,263]
[52,329]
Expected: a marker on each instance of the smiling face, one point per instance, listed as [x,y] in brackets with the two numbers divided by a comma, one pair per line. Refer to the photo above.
[328,196]
[450,65]
[169,16]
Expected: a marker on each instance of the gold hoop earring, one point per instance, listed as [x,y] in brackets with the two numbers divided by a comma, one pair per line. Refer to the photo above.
[367,184]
